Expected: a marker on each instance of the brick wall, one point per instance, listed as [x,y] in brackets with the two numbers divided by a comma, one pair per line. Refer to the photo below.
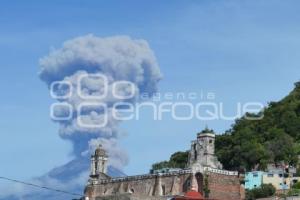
[224,187]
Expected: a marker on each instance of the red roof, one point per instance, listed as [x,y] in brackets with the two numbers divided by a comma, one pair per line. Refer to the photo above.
[193,195]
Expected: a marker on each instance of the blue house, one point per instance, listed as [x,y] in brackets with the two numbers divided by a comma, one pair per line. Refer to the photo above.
[253,179]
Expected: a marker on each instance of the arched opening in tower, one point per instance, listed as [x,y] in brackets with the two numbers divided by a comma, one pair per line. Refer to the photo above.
[200,179]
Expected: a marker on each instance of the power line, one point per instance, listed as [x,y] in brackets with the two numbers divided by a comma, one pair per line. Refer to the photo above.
[41,187]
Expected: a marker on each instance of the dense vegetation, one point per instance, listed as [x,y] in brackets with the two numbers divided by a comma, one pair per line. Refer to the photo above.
[295,190]
[252,144]
[177,160]
[265,190]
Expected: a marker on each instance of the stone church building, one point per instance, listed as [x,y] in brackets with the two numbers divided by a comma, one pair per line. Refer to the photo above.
[203,174]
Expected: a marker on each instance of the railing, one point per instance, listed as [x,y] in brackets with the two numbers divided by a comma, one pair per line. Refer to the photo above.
[221,171]
[142,177]
[173,173]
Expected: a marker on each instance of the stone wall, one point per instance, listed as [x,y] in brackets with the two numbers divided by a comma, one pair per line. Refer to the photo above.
[148,185]
[222,186]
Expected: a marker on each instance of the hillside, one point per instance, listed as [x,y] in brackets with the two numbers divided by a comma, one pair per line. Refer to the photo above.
[253,144]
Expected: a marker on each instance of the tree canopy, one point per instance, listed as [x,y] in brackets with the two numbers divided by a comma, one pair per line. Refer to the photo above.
[177,160]
[264,191]
[251,144]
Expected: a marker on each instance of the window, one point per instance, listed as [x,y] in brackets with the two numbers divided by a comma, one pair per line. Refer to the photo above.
[96,166]
[270,175]
[255,175]
[286,175]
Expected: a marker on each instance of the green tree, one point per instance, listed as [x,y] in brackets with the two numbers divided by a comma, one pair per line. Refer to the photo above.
[265,190]
[160,165]
[283,148]
[255,143]
[177,160]
[296,185]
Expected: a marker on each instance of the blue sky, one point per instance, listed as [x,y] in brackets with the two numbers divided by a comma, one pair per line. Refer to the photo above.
[240,50]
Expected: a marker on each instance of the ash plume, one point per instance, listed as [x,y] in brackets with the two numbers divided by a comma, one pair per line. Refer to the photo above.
[118,58]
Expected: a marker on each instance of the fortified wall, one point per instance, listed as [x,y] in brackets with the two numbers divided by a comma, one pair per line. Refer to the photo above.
[150,185]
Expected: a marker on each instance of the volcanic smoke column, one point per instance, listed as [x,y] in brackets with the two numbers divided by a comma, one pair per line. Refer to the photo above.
[84,69]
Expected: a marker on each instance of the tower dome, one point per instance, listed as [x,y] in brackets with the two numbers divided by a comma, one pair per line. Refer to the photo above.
[206,131]
[100,152]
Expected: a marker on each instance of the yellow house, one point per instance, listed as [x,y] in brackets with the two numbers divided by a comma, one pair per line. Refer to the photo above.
[281,181]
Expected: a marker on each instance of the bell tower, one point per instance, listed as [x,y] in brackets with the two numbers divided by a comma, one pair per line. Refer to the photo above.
[99,163]
[203,150]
